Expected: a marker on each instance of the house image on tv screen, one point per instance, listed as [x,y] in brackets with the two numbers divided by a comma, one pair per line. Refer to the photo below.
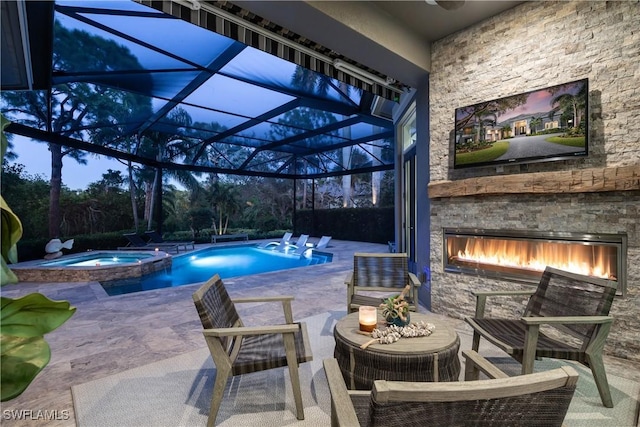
[541,125]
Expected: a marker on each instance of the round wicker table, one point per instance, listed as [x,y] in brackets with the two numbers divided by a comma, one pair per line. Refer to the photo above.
[432,358]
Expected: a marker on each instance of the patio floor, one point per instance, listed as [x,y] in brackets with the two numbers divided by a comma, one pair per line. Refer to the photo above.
[108,335]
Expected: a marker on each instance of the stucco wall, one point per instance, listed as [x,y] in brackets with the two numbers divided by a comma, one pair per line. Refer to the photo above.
[532,46]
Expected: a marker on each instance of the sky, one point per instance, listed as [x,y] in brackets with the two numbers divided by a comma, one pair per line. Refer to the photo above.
[37,160]
[239,100]
[538,102]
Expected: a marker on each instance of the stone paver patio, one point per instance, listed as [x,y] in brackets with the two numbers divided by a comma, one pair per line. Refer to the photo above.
[108,335]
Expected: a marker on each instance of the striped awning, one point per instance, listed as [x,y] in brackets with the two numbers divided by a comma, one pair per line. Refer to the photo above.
[246,27]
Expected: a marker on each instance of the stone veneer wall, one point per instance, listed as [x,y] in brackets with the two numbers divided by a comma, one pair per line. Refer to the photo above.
[532,46]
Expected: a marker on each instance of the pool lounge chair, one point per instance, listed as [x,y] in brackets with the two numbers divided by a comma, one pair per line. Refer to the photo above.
[323,242]
[155,237]
[137,243]
[285,239]
[301,250]
[300,246]
[285,246]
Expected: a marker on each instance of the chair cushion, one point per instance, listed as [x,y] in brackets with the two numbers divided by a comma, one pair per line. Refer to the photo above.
[511,333]
[260,352]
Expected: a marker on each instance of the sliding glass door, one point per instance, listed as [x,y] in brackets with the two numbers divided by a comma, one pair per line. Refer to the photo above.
[407,132]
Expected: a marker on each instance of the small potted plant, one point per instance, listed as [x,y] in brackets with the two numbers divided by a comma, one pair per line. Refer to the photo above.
[395,309]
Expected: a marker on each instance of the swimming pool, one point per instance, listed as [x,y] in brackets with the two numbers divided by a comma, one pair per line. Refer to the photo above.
[228,262]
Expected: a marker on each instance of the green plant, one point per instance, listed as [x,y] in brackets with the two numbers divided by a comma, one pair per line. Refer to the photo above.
[396,307]
[23,321]
[11,225]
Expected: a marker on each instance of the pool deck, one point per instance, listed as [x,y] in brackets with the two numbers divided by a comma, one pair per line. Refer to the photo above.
[108,335]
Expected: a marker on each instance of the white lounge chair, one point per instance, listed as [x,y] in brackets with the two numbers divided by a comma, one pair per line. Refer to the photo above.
[300,246]
[323,242]
[285,246]
[271,245]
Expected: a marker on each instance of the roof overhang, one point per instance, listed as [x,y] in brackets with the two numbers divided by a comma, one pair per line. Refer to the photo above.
[27,44]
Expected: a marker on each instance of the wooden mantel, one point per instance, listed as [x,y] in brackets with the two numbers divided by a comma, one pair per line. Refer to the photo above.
[624,178]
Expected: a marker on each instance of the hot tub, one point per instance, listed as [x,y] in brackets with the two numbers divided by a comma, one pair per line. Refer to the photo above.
[93,266]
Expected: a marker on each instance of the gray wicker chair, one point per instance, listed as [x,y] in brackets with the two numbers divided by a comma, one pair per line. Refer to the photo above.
[572,308]
[540,399]
[379,273]
[237,349]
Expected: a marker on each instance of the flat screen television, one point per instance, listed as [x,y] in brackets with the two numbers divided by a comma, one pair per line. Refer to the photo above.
[542,125]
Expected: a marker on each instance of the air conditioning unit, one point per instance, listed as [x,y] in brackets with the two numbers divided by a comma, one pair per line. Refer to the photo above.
[382,108]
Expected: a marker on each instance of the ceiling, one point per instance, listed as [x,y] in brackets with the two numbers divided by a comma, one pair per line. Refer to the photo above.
[390,37]
[433,22]
[241,103]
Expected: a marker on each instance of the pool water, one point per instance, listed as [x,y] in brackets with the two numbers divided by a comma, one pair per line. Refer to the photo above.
[227,262]
[98,259]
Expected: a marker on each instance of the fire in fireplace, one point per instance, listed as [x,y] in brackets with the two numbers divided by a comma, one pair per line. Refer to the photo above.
[523,255]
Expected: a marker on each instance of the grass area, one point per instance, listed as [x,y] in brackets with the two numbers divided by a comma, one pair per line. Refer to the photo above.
[496,150]
[572,141]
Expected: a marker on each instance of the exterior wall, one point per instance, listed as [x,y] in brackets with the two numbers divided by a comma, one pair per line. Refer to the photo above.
[507,55]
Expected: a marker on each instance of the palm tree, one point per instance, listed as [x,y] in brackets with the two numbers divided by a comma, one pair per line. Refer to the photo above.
[224,201]
[534,123]
[346,159]
[506,131]
[569,102]
[164,147]
[309,82]
[482,120]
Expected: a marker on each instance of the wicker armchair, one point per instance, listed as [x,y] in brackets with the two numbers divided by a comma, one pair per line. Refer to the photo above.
[237,349]
[540,399]
[380,273]
[572,308]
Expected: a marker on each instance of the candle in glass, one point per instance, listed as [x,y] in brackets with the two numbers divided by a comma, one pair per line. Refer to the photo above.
[368,318]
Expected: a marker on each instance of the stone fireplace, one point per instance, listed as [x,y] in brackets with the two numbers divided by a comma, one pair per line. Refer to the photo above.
[593,209]
[522,255]
[597,195]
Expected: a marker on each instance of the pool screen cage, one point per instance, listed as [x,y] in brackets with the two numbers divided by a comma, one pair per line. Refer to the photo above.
[259,100]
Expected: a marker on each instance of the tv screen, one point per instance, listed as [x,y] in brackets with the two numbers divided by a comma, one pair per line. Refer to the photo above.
[541,125]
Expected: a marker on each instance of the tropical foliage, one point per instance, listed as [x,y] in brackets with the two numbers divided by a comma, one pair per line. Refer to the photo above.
[77,108]
[11,225]
[23,321]
[571,106]
[23,349]
[476,117]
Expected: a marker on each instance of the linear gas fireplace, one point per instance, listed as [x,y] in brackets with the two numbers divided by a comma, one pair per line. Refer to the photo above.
[523,255]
